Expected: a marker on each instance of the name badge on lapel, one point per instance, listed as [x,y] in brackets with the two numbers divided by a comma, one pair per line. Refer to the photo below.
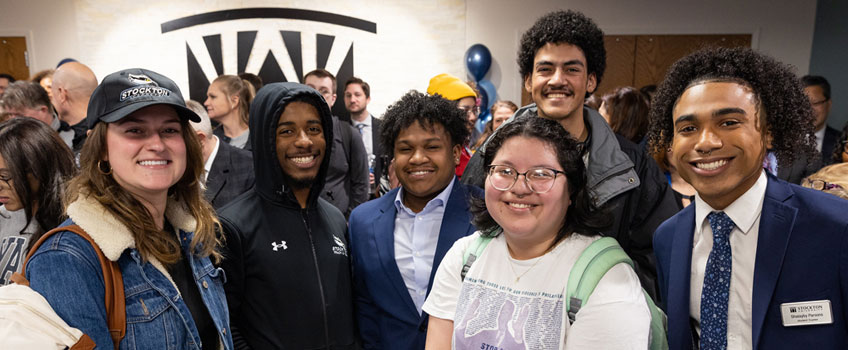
[806,313]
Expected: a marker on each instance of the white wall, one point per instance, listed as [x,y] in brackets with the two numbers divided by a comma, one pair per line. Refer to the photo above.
[781,28]
[416,38]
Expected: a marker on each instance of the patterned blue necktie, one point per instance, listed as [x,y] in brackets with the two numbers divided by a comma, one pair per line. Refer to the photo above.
[716,284]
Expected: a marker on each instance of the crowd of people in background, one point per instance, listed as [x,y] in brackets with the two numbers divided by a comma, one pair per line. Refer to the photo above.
[257,219]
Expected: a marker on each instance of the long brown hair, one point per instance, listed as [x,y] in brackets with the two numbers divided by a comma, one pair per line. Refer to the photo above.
[149,240]
[233,85]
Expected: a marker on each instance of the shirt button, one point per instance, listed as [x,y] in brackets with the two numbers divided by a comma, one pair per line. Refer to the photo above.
[417,254]
[205,285]
[422,292]
[420,218]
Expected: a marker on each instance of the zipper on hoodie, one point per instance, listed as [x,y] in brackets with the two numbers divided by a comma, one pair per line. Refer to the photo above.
[305,217]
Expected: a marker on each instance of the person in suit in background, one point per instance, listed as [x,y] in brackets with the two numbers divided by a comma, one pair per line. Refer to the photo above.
[229,170]
[817,89]
[755,262]
[347,179]
[357,96]
[399,239]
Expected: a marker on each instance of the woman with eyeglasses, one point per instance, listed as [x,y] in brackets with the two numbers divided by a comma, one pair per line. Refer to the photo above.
[34,165]
[541,219]
[831,179]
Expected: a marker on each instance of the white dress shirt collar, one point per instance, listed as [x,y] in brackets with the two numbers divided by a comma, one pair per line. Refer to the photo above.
[820,138]
[744,211]
[207,166]
[440,200]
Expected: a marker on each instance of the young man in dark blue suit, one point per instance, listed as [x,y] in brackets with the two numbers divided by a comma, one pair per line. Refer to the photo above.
[756,262]
[399,239]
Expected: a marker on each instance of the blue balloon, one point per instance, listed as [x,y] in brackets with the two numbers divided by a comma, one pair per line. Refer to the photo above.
[478,59]
[488,89]
[482,119]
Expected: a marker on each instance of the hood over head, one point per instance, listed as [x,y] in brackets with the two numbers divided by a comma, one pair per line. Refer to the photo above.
[265,112]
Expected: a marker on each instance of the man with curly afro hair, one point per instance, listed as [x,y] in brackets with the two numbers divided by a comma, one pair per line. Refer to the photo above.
[399,239]
[756,262]
[562,60]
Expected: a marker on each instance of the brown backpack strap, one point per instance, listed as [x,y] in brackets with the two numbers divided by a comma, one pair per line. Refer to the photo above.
[116,308]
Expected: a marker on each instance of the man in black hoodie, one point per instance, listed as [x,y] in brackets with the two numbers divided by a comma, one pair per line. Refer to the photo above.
[286,259]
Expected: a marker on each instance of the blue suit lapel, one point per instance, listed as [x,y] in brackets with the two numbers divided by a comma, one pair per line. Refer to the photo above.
[456,223]
[680,268]
[384,229]
[776,222]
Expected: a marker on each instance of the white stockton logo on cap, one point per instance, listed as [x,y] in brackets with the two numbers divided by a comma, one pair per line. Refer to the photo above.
[141,79]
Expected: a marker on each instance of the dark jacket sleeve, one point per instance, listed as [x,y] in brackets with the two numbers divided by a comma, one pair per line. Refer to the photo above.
[366,312]
[358,172]
[233,265]
[650,205]
[474,174]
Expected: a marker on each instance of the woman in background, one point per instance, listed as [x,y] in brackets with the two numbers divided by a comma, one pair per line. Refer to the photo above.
[228,104]
[831,179]
[34,166]
[626,111]
[501,111]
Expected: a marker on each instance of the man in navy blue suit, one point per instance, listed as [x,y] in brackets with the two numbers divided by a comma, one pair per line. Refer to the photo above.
[756,263]
[399,239]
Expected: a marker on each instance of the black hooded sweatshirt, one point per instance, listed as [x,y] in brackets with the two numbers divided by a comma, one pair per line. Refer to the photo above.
[288,271]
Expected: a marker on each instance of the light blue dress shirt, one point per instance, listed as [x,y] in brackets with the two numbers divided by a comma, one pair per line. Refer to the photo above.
[416,236]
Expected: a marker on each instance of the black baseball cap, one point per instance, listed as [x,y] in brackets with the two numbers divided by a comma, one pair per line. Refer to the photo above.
[124,92]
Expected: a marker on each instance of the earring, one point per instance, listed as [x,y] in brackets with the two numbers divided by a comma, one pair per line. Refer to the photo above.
[100,164]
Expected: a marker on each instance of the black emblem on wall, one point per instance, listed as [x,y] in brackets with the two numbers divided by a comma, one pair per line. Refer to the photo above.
[270,70]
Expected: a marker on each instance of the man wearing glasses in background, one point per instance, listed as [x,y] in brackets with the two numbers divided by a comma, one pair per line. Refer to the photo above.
[818,90]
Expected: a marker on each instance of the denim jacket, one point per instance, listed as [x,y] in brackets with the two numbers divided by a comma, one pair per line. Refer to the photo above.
[65,270]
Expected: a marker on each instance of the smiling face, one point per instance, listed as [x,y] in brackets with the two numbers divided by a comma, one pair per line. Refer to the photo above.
[147,151]
[718,146]
[524,215]
[300,144]
[500,116]
[217,103]
[559,81]
[425,162]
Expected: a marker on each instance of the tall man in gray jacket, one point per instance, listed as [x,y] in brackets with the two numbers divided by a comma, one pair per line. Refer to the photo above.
[562,60]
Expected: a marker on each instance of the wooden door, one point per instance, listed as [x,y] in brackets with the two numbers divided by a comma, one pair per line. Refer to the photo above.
[13,57]
[656,53]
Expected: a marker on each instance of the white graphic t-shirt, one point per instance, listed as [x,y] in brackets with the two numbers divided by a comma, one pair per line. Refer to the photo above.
[13,244]
[508,304]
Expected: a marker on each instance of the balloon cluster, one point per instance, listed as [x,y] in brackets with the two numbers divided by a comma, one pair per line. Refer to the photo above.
[478,59]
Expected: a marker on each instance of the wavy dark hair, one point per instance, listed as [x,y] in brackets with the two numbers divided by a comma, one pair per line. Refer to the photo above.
[565,27]
[417,107]
[840,145]
[784,110]
[32,150]
[583,216]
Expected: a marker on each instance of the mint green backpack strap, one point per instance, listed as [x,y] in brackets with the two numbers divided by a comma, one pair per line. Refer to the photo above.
[472,252]
[591,266]
[595,261]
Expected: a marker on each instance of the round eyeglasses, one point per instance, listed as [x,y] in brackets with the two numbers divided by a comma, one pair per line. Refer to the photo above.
[822,185]
[539,180]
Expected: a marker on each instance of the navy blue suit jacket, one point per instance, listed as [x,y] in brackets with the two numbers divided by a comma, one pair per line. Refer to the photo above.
[386,314]
[802,255]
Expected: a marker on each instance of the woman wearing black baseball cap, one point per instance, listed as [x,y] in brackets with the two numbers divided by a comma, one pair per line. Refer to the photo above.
[138,196]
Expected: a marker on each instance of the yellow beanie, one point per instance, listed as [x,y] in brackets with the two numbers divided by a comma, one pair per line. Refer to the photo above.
[450,87]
